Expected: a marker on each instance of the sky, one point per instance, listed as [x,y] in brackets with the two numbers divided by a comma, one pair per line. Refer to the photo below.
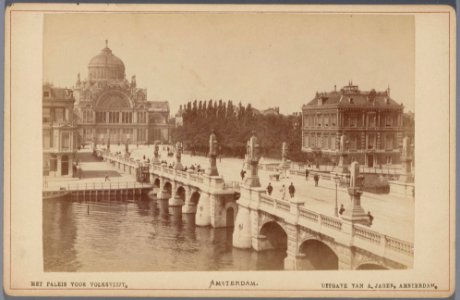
[267,60]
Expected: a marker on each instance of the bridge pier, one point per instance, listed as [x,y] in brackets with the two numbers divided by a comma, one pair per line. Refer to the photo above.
[203,212]
[242,233]
[175,201]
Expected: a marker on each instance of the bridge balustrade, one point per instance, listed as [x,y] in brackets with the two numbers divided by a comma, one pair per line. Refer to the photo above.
[308,214]
[282,204]
[106,186]
[399,245]
[266,199]
[367,235]
[331,222]
[383,241]
[363,237]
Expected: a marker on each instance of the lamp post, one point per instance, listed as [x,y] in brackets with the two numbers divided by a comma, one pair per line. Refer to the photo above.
[336,209]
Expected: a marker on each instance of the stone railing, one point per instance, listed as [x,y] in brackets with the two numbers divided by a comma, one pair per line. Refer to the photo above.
[331,222]
[380,239]
[282,204]
[231,185]
[308,214]
[131,162]
[106,186]
[367,234]
[363,236]
[399,245]
[267,200]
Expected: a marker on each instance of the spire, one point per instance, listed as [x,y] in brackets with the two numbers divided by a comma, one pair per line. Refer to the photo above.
[107,43]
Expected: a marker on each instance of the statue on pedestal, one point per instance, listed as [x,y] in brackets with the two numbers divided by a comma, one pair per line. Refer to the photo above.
[253,156]
[94,142]
[406,160]
[108,144]
[342,168]
[156,155]
[284,165]
[212,171]
[355,213]
[178,165]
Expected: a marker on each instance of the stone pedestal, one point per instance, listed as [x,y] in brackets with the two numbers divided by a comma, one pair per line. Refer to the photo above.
[178,166]
[212,170]
[342,165]
[406,176]
[354,213]
[252,180]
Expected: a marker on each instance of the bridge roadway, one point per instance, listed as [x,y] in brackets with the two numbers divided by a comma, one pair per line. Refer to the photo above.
[393,213]
[268,222]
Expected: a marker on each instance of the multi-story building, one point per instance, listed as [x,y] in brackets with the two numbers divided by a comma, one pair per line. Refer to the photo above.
[109,106]
[59,146]
[370,121]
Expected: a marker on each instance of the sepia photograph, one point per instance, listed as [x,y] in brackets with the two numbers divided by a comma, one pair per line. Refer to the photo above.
[160,154]
[228,148]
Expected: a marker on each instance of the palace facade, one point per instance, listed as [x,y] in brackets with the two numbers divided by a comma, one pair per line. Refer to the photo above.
[371,122]
[59,131]
[109,106]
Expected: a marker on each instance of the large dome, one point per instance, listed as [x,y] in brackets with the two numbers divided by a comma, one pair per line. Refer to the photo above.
[106,66]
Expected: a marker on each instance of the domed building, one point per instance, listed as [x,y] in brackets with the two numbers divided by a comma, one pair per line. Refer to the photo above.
[107,105]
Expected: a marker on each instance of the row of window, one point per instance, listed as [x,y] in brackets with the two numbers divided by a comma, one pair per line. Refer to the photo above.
[105,73]
[51,140]
[318,120]
[354,142]
[350,120]
[114,117]
[55,114]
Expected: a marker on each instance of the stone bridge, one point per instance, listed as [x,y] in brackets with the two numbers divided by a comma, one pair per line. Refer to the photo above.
[264,223]
[311,240]
[209,197]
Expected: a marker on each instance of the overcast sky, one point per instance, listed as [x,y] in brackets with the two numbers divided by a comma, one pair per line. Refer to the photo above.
[265,59]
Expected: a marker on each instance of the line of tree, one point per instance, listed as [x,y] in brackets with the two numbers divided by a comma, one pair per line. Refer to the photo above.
[233,126]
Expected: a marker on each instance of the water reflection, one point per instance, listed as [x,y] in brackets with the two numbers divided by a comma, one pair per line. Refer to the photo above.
[144,235]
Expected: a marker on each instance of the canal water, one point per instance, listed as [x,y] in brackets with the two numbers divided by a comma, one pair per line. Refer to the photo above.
[139,236]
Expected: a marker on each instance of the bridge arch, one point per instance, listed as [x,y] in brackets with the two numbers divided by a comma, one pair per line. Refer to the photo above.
[195,197]
[275,235]
[317,255]
[180,192]
[371,265]
[156,182]
[230,214]
[167,187]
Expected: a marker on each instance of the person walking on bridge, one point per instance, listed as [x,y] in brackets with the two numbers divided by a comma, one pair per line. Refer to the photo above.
[306,173]
[269,188]
[291,190]
[316,178]
[242,173]
[283,192]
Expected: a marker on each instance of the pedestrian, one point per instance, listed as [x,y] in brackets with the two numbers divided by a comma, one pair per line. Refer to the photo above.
[316,178]
[107,177]
[291,190]
[242,173]
[342,209]
[306,173]
[283,192]
[269,188]
[371,218]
